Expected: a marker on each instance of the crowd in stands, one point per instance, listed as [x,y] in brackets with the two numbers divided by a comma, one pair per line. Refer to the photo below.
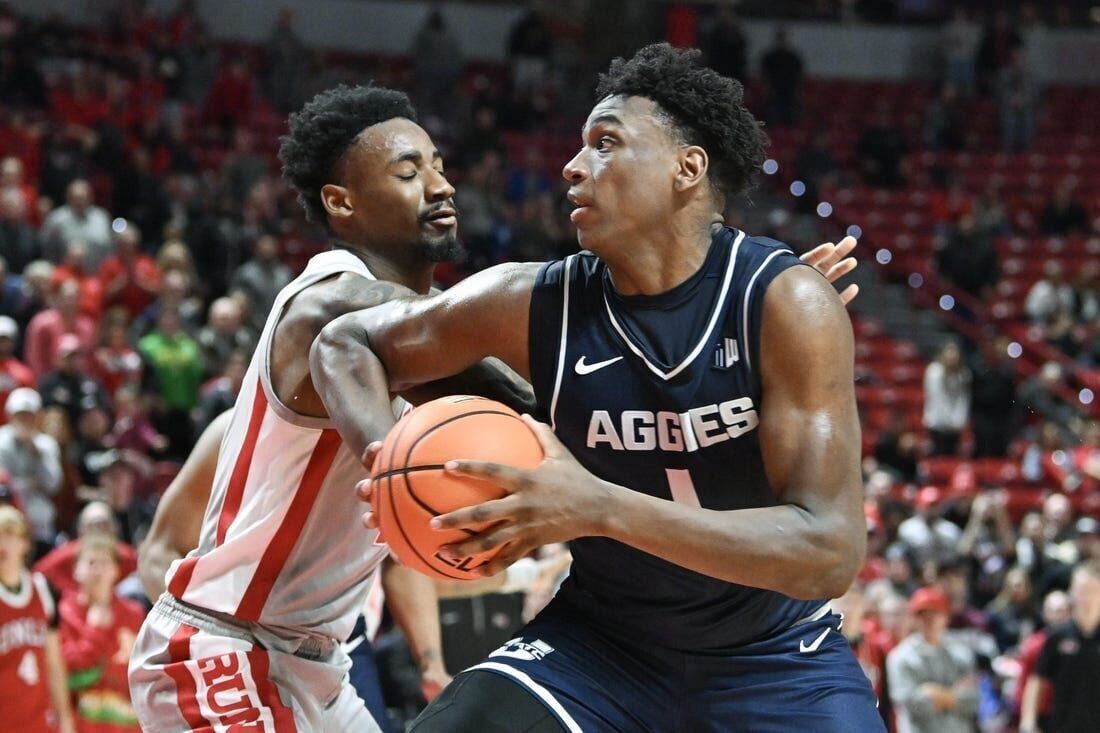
[145,231]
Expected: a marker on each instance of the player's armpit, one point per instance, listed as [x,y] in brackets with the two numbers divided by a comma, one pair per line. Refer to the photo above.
[809,425]
[178,519]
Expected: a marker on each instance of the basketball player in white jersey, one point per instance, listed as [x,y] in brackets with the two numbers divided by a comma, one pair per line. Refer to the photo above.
[249,629]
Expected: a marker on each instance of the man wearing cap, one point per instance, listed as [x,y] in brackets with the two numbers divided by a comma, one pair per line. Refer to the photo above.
[13,373]
[66,387]
[33,461]
[1070,662]
[932,677]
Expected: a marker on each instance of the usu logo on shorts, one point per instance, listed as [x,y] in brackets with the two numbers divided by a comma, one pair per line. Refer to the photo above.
[520,649]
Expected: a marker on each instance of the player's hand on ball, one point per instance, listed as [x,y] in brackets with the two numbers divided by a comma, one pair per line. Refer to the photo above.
[833,261]
[557,501]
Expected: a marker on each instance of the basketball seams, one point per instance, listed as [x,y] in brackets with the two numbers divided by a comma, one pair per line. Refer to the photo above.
[431,430]
[406,471]
[410,469]
[423,505]
[408,542]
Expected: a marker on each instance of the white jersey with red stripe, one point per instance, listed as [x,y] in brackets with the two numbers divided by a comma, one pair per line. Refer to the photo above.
[282,545]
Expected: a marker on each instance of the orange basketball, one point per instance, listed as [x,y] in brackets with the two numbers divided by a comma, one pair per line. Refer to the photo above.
[411,487]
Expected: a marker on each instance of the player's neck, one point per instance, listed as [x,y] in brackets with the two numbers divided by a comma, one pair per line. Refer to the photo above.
[416,276]
[11,577]
[662,260]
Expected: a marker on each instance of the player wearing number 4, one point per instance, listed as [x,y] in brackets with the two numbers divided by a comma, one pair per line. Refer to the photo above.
[702,446]
[32,672]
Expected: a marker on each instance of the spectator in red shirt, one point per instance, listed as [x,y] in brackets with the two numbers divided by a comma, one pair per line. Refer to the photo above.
[75,267]
[115,362]
[231,95]
[13,373]
[59,564]
[46,329]
[130,278]
[98,629]
[78,102]
[1055,611]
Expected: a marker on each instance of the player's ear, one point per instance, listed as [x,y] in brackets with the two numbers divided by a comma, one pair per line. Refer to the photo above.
[336,200]
[693,167]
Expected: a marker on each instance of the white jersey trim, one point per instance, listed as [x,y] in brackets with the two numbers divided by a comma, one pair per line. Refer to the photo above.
[748,294]
[718,305]
[563,341]
[539,691]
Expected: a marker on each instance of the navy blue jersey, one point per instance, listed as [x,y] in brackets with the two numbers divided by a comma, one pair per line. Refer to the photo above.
[679,426]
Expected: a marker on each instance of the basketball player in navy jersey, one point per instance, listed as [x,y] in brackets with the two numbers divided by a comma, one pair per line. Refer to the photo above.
[702,452]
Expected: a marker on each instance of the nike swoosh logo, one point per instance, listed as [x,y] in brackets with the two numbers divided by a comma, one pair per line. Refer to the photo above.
[583,368]
[806,649]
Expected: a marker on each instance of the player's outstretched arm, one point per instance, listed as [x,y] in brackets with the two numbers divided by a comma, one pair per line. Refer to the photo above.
[361,357]
[178,518]
[809,545]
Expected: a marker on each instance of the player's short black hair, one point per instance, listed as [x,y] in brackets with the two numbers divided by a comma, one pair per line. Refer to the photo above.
[321,132]
[704,107]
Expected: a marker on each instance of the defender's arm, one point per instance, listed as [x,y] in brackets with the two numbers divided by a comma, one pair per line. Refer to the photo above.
[178,518]
[399,345]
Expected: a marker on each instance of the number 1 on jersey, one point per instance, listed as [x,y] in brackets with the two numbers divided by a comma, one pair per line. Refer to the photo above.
[683,490]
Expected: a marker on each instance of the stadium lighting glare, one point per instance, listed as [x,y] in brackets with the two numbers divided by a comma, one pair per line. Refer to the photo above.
[916,280]
[1086,396]
[1058,456]
[855,231]
[824,209]
[770,167]
[1014,350]
[118,225]
[883,256]
[947,302]
[798,188]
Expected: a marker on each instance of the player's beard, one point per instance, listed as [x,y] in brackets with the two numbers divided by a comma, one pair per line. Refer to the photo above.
[442,248]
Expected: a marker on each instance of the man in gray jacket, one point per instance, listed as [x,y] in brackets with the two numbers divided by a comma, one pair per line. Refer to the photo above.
[32,461]
[932,677]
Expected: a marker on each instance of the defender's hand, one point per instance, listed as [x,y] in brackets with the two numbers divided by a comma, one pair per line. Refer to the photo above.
[833,261]
[433,679]
[556,501]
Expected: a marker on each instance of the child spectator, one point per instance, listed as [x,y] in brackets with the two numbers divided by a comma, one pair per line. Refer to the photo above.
[59,565]
[98,629]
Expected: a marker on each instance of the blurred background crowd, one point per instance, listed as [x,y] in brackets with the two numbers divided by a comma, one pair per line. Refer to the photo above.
[145,231]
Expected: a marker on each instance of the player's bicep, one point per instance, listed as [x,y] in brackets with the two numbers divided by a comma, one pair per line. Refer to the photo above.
[809,428]
[424,339]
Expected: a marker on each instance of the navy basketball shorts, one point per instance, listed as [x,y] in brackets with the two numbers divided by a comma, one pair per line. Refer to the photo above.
[802,679]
